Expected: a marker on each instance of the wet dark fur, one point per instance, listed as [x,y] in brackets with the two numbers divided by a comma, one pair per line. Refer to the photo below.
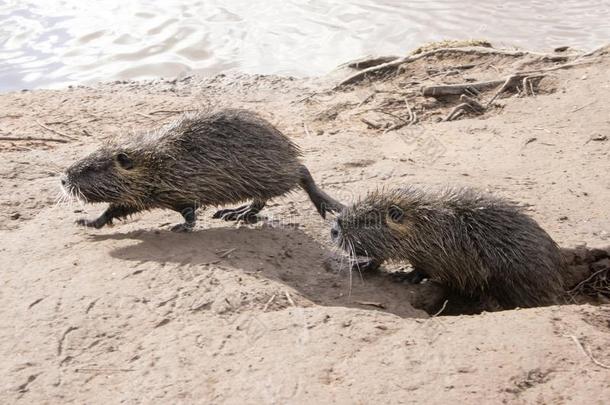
[202,159]
[477,245]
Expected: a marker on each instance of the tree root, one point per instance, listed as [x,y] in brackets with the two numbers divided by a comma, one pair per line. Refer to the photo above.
[468,103]
[524,81]
[368,62]
[476,88]
[394,63]
[513,80]
[410,121]
[457,89]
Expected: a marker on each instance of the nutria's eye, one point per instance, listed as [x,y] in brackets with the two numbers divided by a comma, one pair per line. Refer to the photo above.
[395,213]
[125,161]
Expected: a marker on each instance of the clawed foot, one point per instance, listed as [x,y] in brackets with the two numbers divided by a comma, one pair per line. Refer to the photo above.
[366,265]
[96,223]
[412,277]
[243,213]
[183,227]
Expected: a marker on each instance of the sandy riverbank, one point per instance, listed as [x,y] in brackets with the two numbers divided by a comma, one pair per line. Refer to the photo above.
[135,313]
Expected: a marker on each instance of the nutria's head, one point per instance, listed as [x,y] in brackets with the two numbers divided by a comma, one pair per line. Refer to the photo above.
[373,226]
[113,174]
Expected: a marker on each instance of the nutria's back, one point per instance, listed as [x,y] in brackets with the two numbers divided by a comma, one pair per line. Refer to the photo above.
[471,242]
[226,156]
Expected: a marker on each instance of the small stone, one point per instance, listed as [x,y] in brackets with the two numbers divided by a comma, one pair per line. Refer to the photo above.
[563,218]
[15,215]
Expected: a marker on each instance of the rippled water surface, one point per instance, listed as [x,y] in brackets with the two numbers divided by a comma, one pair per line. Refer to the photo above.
[54,43]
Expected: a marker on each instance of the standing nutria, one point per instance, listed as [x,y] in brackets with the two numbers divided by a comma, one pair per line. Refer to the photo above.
[201,159]
[476,245]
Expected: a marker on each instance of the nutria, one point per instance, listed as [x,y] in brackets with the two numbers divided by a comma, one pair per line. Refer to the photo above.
[202,159]
[477,245]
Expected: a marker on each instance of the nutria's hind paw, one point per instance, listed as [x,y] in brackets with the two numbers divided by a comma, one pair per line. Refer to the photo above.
[245,213]
[246,217]
[182,228]
[230,214]
[96,223]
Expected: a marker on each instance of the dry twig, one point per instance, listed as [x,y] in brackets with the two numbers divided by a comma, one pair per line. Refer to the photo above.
[289,299]
[587,353]
[56,132]
[370,124]
[31,138]
[268,303]
[226,253]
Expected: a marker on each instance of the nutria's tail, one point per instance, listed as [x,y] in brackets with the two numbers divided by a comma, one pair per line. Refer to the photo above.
[320,199]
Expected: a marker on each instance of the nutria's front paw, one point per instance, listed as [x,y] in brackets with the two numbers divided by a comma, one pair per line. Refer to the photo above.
[90,224]
[412,277]
[366,265]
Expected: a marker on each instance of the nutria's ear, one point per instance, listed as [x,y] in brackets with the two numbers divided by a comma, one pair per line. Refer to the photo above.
[124,161]
[395,213]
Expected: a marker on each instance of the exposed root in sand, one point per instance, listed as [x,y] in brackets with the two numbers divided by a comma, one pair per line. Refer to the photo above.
[412,119]
[469,103]
[393,64]
[458,89]
[512,66]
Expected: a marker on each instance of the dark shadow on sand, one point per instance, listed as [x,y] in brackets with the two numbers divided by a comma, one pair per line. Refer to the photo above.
[285,255]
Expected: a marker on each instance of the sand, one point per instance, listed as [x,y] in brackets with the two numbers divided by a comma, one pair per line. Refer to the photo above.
[262,313]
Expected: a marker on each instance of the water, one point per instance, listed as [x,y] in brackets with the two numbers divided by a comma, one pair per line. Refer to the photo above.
[58,42]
